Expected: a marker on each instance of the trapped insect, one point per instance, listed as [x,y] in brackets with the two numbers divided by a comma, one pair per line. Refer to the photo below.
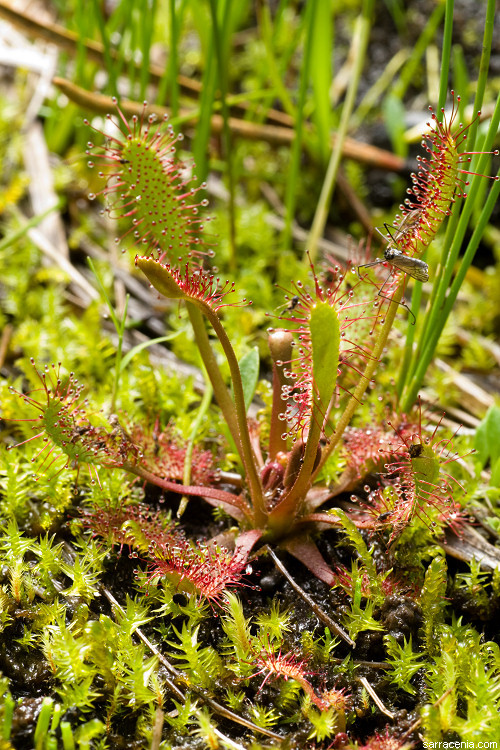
[417,269]
[414,267]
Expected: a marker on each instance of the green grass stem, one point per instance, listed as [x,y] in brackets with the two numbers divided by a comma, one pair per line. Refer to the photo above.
[296,151]
[221,40]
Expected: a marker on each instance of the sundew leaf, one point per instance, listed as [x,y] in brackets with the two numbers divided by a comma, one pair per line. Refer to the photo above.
[148,185]
[424,464]
[161,277]
[325,342]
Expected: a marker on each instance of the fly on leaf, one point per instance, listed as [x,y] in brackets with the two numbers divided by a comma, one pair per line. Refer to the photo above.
[414,267]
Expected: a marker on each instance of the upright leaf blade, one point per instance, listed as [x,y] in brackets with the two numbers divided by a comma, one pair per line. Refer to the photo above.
[325,341]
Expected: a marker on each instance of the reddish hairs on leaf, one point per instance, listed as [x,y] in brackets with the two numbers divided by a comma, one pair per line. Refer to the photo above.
[386,742]
[163,452]
[69,433]
[195,568]
[147,184]
[417,487]
[288,666]
[438,182]
[192,284]
[339,297]
[367,448]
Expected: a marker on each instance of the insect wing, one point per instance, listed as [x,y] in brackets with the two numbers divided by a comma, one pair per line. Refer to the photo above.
[399,231]
[408,222]
[414,267]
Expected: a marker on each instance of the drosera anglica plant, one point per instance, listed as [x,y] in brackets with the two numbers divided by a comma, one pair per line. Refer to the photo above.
[146,184]
[436,186]
[67,428]
[368,589]
[153,189]
[317,387]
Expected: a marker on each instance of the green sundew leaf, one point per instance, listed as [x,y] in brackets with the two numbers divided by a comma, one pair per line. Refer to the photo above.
[487,440]
[325,341]
[249,369]
[424,464]
[161,277]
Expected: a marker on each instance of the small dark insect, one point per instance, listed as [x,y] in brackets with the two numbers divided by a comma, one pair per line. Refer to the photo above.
[384,516]
[416,450]
[417,269]
[291,304]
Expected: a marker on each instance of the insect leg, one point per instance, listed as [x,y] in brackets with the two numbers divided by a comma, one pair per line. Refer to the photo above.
[373,263]
[403,304]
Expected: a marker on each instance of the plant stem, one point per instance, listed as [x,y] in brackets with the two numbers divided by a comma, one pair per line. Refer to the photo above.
[200,491]
[287,510]
[186,475]
[247,455]
[280,347]
[447,303]
[445,291]
[221,392]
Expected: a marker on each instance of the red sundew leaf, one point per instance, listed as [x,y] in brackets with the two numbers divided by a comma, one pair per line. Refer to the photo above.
[288,666]
[137,526]
[164,454]
[195,568]
[147,183]
[386,742]
[366,449]
[438,183]
[69,431]
[417,487]
[201,569]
